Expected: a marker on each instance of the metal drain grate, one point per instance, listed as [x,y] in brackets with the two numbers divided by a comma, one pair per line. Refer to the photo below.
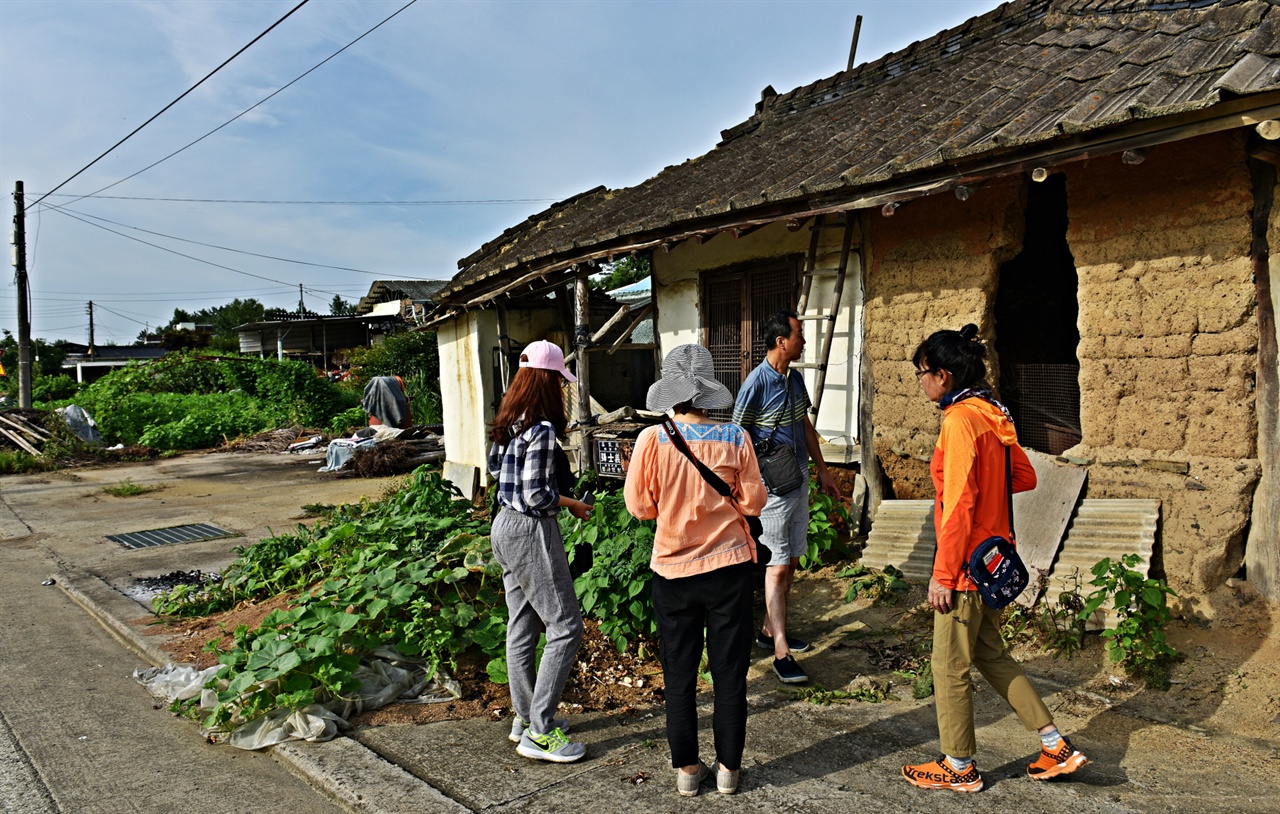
[173,534]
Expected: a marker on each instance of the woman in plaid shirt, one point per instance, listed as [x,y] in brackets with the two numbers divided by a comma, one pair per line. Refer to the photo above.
[526,542]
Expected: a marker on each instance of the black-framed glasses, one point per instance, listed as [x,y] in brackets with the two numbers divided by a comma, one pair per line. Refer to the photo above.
[920,374]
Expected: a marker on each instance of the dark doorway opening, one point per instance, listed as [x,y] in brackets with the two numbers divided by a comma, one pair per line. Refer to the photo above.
[1036,326]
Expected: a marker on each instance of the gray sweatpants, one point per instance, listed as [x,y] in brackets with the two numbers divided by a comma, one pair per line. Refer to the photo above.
[535,574]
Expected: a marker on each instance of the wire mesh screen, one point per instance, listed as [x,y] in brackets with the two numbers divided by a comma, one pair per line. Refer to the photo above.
[723,302]
[1047,408]
[771,291]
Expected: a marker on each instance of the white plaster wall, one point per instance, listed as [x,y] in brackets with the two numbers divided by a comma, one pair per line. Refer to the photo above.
[467,383]
[464,392]
[676,275]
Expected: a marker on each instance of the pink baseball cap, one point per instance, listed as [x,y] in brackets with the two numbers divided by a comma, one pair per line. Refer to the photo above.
[545,355]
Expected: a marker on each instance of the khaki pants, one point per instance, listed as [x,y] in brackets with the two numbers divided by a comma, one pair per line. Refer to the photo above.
[968,637]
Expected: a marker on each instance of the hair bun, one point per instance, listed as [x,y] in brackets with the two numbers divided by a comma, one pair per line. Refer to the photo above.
[969,331]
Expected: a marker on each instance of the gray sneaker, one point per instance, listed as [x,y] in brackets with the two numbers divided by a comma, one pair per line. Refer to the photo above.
[687,784]
[726,781]
[553,746]
[519,726]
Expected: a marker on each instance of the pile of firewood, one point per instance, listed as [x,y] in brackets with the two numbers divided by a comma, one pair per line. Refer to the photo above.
[24,430]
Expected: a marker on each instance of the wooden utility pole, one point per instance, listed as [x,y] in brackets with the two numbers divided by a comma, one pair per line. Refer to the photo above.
[91,354]
[24,312]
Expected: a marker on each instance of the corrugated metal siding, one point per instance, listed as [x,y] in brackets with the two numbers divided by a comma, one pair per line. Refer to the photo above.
[1103,528]
[902,536]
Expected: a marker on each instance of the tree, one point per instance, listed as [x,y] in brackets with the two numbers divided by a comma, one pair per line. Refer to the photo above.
[622,272]
[340,306]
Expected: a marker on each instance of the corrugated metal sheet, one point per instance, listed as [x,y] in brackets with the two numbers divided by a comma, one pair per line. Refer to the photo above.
[1103,528]
[902,536]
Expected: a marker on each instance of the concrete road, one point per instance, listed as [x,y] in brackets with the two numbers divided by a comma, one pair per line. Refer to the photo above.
[77,734]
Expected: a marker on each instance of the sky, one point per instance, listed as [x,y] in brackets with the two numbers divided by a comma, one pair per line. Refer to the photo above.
[404,153]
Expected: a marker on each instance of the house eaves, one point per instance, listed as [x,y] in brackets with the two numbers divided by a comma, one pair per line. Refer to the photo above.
[1031,83]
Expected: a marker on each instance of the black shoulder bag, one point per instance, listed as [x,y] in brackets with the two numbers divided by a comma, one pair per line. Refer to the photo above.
[994,567]
[778,465]
[716,482]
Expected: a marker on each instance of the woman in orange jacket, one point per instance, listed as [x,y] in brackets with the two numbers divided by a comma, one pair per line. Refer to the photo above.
[969,474]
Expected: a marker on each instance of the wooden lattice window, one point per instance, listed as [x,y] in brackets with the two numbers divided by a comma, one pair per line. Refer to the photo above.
[735,302]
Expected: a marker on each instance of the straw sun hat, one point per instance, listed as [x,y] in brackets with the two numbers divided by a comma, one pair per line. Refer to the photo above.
[688,374]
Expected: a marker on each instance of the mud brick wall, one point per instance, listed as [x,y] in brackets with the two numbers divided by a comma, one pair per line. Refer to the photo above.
[933,265]
[1167,323]
[1168,344]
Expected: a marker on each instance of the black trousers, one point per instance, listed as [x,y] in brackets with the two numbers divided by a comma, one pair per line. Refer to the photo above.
[716,604]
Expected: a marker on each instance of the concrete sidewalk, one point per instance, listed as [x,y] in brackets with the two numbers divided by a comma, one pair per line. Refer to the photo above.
[800,756]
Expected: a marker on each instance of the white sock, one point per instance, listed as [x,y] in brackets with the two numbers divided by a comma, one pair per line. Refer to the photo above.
[1050,739]
[960,764]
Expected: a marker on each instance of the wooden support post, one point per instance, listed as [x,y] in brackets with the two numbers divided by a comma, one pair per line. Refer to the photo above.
[582,339]
[504,347]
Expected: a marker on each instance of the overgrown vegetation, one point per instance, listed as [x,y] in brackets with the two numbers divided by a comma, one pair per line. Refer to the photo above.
[190,400]
[414,357]
[1057,626]
[615,586]
[413,570]
[1140,603]
[828,527]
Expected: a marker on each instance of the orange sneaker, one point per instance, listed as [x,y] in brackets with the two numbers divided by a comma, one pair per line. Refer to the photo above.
[1064,759]
[940,775]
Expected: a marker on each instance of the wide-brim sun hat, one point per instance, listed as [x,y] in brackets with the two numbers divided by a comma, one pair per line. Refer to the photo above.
[688,375]
[545,355]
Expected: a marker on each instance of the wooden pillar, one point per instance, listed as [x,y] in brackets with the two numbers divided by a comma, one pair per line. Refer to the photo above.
[581,339]
[869,463]
[504,347]
[1262,546]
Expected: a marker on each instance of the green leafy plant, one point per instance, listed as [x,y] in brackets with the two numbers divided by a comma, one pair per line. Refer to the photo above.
[1140,603]
[1057,626]
[871,693]
[414,570]
[127,488]
[881,587]
[828,527]
[614,588]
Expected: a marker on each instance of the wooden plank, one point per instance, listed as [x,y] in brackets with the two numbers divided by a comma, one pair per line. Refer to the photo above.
[635,323]
[18,439]
[20,424]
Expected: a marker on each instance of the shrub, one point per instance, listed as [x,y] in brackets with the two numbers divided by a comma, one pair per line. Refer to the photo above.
[1138,641]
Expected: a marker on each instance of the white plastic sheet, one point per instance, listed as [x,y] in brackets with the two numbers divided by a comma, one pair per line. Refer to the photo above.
[384,675]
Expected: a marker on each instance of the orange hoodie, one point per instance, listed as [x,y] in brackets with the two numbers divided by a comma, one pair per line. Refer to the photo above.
[969,476]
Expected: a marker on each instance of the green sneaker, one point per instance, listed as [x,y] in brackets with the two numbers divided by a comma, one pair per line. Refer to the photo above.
[518,727]
[553,746]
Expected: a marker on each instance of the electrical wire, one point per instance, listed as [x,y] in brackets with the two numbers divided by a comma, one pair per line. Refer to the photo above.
[446,202]
[171,104]
[65,211]
[254,105]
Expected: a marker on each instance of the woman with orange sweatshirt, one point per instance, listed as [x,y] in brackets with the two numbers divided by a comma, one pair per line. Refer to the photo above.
[969,475]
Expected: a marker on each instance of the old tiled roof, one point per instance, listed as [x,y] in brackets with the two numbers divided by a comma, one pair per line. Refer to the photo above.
[1025,75]
[387,290]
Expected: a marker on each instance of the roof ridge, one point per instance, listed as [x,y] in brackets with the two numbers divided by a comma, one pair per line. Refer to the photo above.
[917,55]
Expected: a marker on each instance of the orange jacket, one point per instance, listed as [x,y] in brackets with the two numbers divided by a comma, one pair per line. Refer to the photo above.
[969,476]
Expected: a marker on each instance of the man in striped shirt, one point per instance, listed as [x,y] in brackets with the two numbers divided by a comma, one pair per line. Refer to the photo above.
[773,404]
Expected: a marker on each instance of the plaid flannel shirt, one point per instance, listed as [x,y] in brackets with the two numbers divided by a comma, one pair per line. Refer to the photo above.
[526,473]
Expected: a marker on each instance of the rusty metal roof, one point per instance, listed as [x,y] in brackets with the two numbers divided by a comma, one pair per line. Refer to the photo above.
[1027,73]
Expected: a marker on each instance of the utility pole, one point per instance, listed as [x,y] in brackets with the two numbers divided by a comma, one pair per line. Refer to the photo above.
[91,329]
[302,306]
[24,312]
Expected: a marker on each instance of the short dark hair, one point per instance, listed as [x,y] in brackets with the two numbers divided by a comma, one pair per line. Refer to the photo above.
[779,324]
[957,352]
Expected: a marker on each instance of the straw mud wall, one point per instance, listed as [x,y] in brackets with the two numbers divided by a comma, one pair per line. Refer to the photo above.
[1168,329]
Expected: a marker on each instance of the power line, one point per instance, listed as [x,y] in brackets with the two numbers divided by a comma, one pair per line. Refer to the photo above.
[445,202]
[65,211]
[174,102]
[256,104]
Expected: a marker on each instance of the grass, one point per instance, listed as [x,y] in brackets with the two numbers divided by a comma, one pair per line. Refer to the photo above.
[127,488]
